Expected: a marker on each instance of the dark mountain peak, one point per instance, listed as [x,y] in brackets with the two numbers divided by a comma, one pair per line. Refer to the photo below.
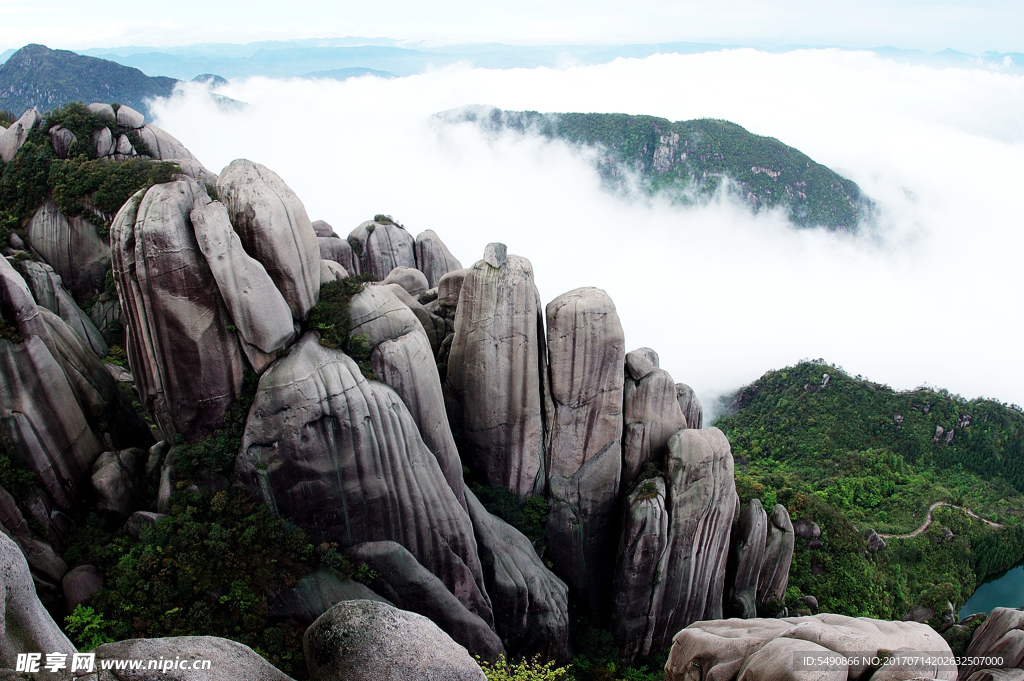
[37,76]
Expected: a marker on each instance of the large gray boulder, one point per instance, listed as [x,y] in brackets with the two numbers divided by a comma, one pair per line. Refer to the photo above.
[412,587]
[227,659]
[275,230]
[409,278]
[586,351]
[1001,635]
[403,359]
[433,258]
[380,247]
[80,585]
[49,292]
[531,604]
[164,147]
[25,625]
[119,481]
[371,641]
[435,327]
[702,498]
[185,354]
[690,406]
[496,370]
[342,457]
[315,593]
[72,247]
[449,288]
[778,555]
[339,251]
[639,568]
[746,557]
[731,649]
[651,412]
[257,308]
[13,137]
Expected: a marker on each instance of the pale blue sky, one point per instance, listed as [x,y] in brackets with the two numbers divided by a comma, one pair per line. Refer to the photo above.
[978,26]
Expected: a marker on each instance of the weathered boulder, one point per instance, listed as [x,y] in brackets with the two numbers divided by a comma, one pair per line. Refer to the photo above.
[161,146]
[275,230]
[119,480]
[778,555]
[777,661]
[412,587]
[651,412]
[371,641]
[315,593]
[433,258]
[104,142]
[435,327]
[13,137]
[449,288]
[702,498]
[728,649]
[80,585]
[129,117]
[381,247]
[531,604]
[331,271]
[1001,635]
[586,350]
[141,520]
[48,290]
[185,355]
[746,558]
[496,370]
[323,230]
[409,278]
[339,251]
[72,247]
[25,625]
[690,406]
[874,541]
[639,568]
[103,111]
[61,140]
[805,528]
[227,659]
[257,308]
[403,359]
[342,457]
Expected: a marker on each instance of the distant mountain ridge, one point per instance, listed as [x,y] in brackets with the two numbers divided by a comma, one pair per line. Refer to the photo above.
[690,161]
[36,76]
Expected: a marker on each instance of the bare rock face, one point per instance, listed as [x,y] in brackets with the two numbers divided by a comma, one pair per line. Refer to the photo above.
[409,278]
[690,406]
[130,118]
[331,271]
[805,528]
[257,308]
[316,593]
[449,288]
[763,649]
[339,251]
[106,317]
[403,359]
[48,290]
[640,565]
[323,230]
[25,625]
[119,480]
[275,230]
[997,675]
[778,555]
[1001,635]
[186,359]
[412,587]
[80,585]
[746,558]
[342,457]
[495,372]
[586,350]
[531,604]
[381,247]
[371,641]
[103,111]
[702,498]
[650,411]
[72,247]
[435,327]
[13,137]
[164,147]
[228,659]
[433,258]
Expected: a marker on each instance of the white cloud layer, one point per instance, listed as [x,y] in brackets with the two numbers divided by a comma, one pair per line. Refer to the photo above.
[935,295]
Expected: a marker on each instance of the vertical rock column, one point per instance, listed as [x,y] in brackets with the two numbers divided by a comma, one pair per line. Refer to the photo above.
[746,556]
[650,410]
[586,350]
[778,555]
[495,373]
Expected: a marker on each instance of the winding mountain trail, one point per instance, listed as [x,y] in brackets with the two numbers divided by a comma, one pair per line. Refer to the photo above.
[928,521]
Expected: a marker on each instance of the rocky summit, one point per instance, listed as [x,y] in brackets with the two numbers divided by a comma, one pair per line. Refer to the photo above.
[229,433]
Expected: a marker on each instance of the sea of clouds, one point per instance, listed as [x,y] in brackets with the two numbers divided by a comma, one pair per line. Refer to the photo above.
[931,294]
